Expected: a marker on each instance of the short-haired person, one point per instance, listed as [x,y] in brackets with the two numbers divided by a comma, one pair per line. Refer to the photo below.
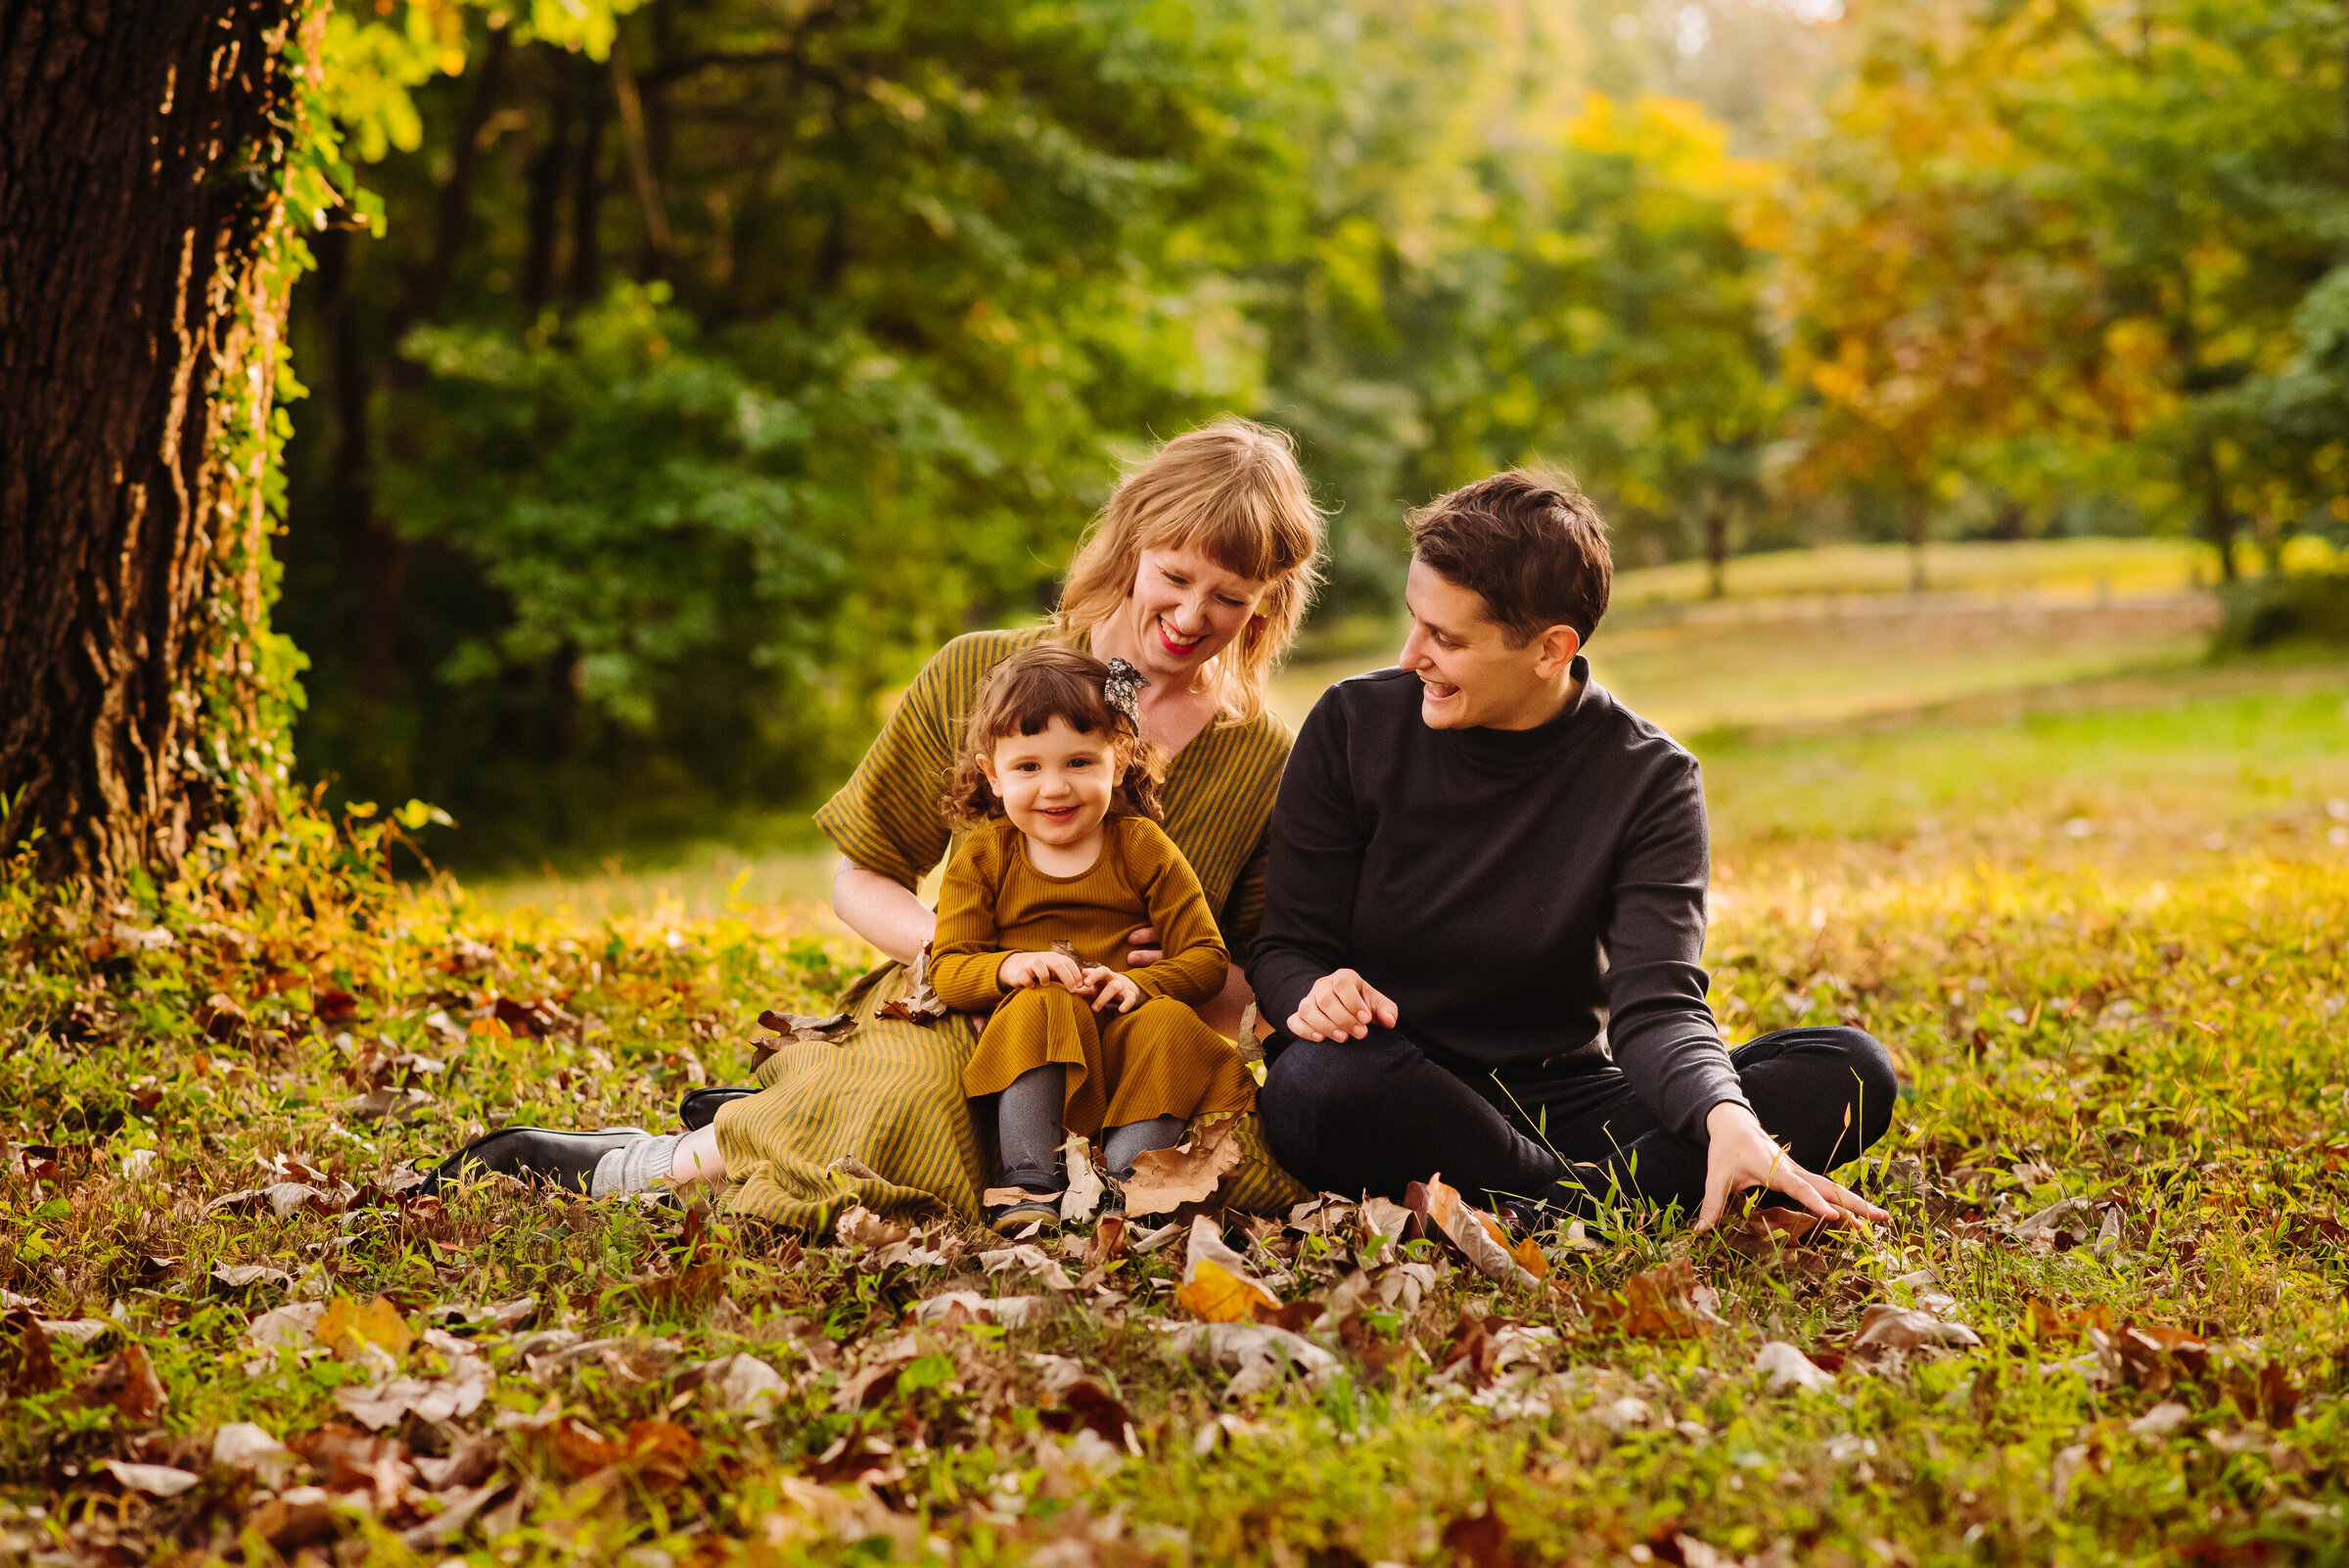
[1485,918]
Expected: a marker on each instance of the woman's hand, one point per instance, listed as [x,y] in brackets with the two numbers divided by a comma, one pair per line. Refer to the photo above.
[1739,1155]
[1342,1004]
[1040,969]
[1107,986]
[1145,949]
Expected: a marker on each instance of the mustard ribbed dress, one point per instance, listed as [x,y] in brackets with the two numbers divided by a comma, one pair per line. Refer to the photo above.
[1157,1060]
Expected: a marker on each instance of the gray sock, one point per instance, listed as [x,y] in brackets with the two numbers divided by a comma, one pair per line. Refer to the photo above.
[1120,1144]
[1028,1126]
[637,1166]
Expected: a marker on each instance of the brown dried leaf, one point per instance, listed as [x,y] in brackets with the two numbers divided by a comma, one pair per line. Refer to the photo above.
[1474,1234]
[920,1004]
[32,1368]
[1885,1326]
[127,1382]
[807,1026]
[1165,1180]
[1662,1303]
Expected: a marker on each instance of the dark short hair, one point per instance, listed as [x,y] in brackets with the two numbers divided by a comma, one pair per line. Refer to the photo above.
[1529,542]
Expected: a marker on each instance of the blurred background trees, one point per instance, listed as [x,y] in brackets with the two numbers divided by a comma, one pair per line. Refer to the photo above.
[717,358]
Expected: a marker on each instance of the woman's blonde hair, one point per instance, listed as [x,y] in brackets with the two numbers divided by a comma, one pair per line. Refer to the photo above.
[1023,694]
[1231,490]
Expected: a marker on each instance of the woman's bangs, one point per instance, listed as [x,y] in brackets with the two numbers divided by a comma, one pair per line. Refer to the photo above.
[1228,531]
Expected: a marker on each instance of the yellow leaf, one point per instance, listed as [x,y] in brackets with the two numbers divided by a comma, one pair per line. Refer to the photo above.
[1531,1258]
[346,1326]
[1218,1296]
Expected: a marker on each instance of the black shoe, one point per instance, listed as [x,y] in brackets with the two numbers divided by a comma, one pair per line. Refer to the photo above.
[1043,1206]
[533,1154]
[699,1108]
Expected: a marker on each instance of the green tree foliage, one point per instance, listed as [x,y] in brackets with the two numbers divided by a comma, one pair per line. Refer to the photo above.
[713,360]
[696,392]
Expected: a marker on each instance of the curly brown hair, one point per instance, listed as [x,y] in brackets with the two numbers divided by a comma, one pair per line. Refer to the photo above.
[1023,694]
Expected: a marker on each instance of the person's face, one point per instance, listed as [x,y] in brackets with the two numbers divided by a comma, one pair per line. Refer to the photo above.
[1469,676]
[1056,785]
[1186,610]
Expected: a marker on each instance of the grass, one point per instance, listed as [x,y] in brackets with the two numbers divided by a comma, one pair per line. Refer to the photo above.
[2099,923]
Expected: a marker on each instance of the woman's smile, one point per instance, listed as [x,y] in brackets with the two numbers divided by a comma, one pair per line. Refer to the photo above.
[1179,646]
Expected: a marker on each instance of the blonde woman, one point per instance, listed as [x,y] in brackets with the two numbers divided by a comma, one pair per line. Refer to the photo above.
[1196,573]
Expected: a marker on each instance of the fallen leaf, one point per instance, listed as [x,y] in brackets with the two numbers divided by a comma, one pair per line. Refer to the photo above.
[155,1480]
[333,1006]
[34,1367]
[1888,1327]
[238,1276]
[2161,1420]
[390,1105]
[860,1226]
[302,1517]
[1530,1256]
[953,1308]
[473,1461]
[1662,1303]
[1475,1235]
[430,1399]
[1029,1258]
[807,1026]
[354,1463]
[1788,1368]
[243,1445]
[742,1383]
[1086,1406]
[1086,1188]
[293,1323]
[1480,1541]
[661,1453]
[348,1331]
[579,1450]
[1262,1353]
[127,1382]
[1165,1180]
[1216,1295]
[920,1004]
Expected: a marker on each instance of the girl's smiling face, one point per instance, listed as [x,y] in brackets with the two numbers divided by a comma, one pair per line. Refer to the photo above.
[1056,785]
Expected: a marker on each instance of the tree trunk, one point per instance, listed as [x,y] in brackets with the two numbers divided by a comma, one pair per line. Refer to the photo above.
[1919,523]
[143,280]
[1717,551]
[2217,519]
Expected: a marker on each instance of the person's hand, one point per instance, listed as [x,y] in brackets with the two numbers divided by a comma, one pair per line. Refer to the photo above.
[1106,986]
[1340,1004]
[1039,969]
[1145,949]
[1739,1155]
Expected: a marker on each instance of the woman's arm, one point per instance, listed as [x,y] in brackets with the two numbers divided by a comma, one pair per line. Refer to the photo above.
[883,911]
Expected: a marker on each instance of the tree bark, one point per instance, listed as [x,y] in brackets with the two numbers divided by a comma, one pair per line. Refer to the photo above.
[1917,506]
[142,298]
[1717,550]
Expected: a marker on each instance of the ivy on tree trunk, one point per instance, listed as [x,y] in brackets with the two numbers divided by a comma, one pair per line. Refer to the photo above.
[151,159]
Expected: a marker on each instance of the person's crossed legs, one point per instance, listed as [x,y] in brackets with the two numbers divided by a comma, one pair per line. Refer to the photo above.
[1376,1114]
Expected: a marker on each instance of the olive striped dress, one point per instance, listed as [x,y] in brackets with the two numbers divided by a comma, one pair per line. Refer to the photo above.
[878,1116]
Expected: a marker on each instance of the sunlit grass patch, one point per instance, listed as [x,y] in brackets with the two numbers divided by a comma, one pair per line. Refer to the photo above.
[2119,1165]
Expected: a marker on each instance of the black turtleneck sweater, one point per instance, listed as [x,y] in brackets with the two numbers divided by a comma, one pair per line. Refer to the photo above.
[1530,899]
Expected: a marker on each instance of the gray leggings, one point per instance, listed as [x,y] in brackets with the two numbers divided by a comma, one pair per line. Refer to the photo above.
[1027,1128]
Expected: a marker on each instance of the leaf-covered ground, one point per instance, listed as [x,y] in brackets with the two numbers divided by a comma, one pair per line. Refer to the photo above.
[2107,1325]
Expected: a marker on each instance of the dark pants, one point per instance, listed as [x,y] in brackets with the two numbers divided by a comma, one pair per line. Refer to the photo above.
[1371,1116]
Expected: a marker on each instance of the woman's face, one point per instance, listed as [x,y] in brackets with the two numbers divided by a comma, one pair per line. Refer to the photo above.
[1185,610]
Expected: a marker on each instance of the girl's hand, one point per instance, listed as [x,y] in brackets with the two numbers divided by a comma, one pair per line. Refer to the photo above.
[1039,969]
[1739,1154]
[1108,986]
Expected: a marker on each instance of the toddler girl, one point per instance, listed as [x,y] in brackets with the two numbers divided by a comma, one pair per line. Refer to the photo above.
[1063,862]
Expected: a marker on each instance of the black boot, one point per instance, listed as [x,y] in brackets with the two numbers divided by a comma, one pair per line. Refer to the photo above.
[533,1154]
[699,1108]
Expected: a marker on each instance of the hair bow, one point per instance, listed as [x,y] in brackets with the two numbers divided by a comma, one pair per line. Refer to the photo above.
[1120,688]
